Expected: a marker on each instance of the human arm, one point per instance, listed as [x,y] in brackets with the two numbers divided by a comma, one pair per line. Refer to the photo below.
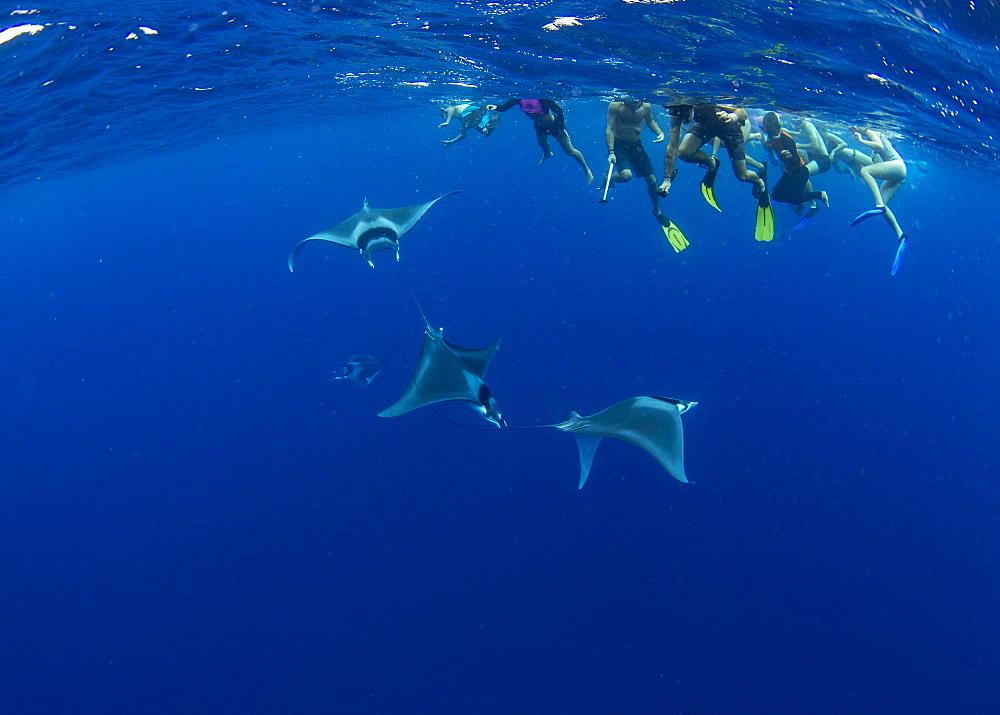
[503,106]
[834,143]
[651,123]
[549,105]
[789,152]
[447,113]
[867,139]
[736,115]
[670,156]
[609,131]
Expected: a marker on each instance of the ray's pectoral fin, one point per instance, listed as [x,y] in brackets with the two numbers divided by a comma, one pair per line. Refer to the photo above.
[405,218]
[651,423]
[587,444]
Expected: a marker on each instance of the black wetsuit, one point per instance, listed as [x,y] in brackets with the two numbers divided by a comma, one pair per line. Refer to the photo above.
[791,188]
[556,128]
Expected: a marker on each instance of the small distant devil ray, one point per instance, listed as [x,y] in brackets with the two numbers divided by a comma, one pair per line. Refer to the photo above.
[360,369]
[371,230]
[650,423]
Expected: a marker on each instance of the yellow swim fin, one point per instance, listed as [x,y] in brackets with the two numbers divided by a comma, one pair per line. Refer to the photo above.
[708,186]
[764,229]
[674,236]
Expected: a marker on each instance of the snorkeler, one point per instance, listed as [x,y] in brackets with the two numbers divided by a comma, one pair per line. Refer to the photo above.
[845,159]
[471,116]
[794,186]
[629,157]
[625,151]
[889,167]
[705,122]
[547,117]
[810,140]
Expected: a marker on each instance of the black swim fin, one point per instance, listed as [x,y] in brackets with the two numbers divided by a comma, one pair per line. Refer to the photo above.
[708,184]
[764,227]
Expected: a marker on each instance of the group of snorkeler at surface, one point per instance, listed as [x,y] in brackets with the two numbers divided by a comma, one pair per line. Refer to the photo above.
[803,148]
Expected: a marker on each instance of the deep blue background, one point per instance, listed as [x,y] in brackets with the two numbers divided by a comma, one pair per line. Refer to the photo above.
[195,519]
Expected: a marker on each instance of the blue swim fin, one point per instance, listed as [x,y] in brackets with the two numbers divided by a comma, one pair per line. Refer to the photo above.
[803,222]
[899,253]
[865,215]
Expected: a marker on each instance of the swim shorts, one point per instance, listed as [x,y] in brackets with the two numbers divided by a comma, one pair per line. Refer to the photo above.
[707,128]
[632,155]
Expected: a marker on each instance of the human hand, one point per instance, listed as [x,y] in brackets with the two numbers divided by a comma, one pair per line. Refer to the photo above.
[491,107]
[785,154]
[664,187]
[659,138]
[612,159]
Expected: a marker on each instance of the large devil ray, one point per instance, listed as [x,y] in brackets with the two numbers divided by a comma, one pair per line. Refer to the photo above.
[651,423]
[449,372]
[371,230]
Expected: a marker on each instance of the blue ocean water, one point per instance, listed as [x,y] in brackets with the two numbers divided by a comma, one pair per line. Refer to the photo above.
[196,518]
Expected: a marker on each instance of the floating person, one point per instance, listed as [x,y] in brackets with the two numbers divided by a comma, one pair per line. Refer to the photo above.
[706,122]
[547,116]
[626,154]
[843,159]
[454,111]
[445,372]
[889,167]
[810,139]
[627,158]
[831,140]
[650,423]
[361,369]
[371,230]
[794,186]
[471,116]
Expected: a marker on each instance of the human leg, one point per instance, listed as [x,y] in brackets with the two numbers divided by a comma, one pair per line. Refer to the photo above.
[567,146]
[654,194]
[742,173]
[542,137]
[890,219]
[889,189]
[629,160]
[690,151]
[887,171]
